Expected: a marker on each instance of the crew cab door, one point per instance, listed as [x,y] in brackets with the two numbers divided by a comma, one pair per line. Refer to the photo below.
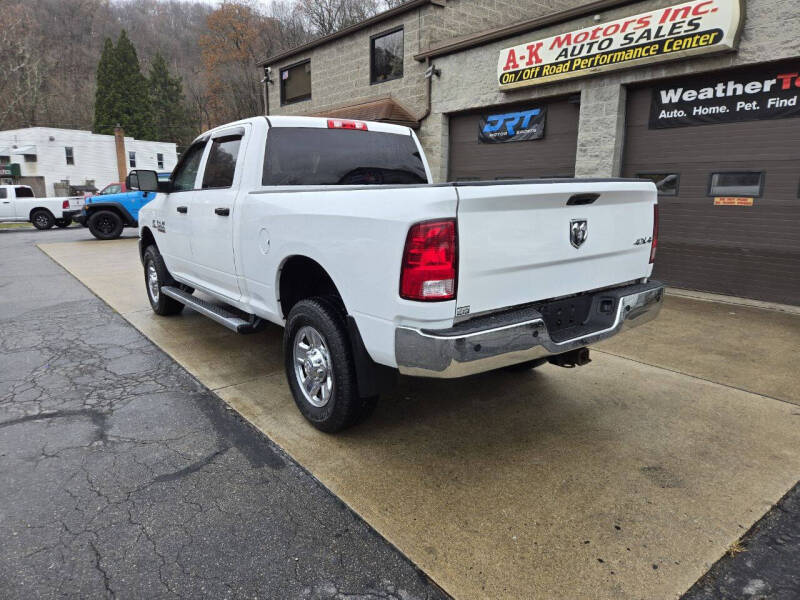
[172,229]
[212,213]
[6,203]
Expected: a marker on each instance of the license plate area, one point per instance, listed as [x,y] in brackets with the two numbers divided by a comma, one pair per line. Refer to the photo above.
[578,316]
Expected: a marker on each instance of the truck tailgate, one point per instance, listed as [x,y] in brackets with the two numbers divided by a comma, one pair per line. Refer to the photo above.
[516,243]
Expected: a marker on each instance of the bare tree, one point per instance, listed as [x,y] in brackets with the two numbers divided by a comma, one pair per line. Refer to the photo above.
[21,68]
[326,16]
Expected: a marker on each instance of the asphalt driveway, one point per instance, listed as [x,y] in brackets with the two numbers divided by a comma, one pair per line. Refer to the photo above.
[122,476]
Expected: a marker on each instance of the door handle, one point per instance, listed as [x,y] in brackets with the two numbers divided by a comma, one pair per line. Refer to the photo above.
[222,212]
[182,209]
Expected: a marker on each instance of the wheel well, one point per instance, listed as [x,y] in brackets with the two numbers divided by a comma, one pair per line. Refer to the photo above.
[302,277]
[147,239]
[33,210]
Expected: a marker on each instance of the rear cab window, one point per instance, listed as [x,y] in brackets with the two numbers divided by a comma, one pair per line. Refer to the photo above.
[320,156]
[23,192]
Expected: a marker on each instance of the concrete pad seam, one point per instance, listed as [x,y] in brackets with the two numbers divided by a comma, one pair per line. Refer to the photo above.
[224,387]
[733,300]
[698,377]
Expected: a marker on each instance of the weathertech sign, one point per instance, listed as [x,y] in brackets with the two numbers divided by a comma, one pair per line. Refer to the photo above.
[687,29]
[751,94]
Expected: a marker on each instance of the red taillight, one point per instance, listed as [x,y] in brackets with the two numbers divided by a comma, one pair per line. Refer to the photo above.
[346,124]
[65,204]
[654,244]
[430,262]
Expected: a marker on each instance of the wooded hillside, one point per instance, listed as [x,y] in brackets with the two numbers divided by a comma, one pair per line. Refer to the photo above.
[50,50]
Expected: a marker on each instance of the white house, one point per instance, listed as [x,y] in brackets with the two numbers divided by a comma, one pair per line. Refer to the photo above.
[49,156]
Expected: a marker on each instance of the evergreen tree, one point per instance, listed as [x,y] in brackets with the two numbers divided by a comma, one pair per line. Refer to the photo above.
[122,95]
[103,104]
[171,121]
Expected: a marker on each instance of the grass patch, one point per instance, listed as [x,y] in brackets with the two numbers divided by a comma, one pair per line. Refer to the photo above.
[16,226]
[736,548]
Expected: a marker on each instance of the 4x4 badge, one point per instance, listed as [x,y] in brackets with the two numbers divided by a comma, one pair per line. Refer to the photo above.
[578,231]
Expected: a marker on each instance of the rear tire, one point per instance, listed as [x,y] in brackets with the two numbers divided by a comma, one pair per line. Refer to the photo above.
[319,366]
[62,223]
[42,219]
[106,225]
[525,366]
[155,277]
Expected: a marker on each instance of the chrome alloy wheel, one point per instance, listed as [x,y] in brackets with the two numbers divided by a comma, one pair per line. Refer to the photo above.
[312,366]
[40,220]
[152,282]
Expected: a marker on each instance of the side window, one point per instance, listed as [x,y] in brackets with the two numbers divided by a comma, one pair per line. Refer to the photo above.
[742,183]
[666,183]
[296,83]
[23,192]
[184,175]
[221,163]
[386,56]
[3,193]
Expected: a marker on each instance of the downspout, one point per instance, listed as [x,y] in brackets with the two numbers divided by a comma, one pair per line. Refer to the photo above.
[430,71]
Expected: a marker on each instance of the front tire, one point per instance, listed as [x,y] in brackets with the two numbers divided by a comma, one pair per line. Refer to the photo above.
[62,223]
[42,219]
[155,277]
[106,225]
[320,368]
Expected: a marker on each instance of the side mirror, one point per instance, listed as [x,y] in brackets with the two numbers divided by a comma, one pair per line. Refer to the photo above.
[144,181]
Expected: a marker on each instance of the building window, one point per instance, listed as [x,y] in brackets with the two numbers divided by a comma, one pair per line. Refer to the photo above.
[386,56]
[741,183]
[70,156]
[296,83]
[160,160]
[132,160]
[29,157]
[4,160]
[666,183]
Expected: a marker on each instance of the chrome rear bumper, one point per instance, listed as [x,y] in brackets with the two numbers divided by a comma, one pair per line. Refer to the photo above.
[496,341]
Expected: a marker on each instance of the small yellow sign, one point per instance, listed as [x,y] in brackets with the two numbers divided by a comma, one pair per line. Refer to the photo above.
[732,201]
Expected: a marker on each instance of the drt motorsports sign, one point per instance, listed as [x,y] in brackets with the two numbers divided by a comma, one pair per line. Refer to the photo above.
[688,29]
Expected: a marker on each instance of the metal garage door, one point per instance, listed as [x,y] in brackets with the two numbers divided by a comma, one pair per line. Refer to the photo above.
[711,240]
[551,156]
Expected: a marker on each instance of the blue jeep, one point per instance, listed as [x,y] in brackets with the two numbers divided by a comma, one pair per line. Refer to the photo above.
[107,213]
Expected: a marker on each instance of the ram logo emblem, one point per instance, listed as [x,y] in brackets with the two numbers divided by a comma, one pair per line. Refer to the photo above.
[578,231]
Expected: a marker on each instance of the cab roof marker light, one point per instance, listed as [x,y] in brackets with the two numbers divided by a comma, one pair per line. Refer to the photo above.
[346,124]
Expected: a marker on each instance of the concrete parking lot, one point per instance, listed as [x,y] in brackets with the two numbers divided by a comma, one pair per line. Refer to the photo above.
[628,478]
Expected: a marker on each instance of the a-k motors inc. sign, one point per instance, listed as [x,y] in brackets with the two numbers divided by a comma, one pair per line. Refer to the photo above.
[687,29]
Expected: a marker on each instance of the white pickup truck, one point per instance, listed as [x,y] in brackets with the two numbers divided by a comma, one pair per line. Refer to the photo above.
[332,229]
[18,203]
